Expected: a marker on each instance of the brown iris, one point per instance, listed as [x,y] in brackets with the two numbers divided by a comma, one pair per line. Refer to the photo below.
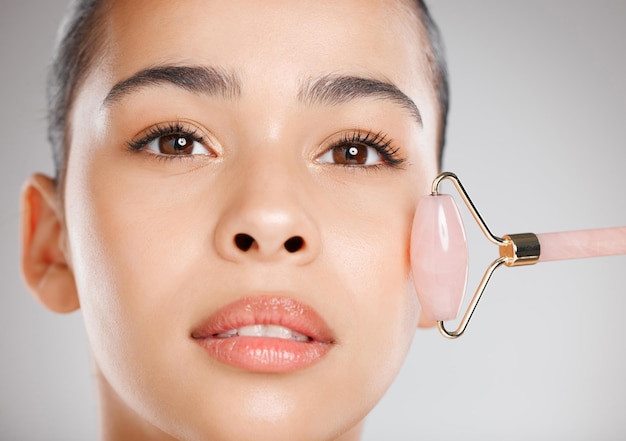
[351,154]
[176,145]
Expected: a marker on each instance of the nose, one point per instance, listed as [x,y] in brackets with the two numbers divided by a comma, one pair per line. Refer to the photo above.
[267,219]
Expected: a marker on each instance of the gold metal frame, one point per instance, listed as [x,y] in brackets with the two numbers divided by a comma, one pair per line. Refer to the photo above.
[515,250]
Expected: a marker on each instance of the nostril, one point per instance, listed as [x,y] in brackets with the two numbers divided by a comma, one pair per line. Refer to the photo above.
[294,244]
[244,241]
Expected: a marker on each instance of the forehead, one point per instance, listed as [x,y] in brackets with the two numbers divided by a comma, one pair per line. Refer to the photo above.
[272,39]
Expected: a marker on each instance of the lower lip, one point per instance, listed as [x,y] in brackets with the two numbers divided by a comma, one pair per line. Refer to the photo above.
[263,354]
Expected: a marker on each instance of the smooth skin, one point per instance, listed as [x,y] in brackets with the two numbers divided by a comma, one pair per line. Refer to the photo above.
[143,241]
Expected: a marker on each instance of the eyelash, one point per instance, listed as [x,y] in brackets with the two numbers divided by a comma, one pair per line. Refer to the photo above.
[168,129]
[378,141]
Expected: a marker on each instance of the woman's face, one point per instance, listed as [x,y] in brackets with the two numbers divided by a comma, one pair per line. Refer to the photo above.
[248,163]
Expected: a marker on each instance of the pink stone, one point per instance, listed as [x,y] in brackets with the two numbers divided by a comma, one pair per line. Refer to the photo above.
[579,244]
[439,257]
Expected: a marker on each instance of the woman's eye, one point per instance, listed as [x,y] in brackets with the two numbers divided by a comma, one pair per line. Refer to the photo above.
[177,144]
[352,154]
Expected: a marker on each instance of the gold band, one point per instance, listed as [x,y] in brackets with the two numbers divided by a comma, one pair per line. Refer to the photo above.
[520,249]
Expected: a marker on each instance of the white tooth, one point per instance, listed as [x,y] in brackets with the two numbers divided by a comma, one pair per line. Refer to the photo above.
[252,331]
[272,331]
[278,332]
[299,337]
[227,334]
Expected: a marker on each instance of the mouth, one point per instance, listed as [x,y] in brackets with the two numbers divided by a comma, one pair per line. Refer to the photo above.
[265,334]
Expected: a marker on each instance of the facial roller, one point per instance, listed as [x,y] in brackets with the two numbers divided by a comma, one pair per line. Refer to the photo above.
[439,253]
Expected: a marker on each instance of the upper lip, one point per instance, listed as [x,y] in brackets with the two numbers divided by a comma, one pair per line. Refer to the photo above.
[266,310]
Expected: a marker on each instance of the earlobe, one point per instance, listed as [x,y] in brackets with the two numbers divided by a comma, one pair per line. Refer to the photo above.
[45,264]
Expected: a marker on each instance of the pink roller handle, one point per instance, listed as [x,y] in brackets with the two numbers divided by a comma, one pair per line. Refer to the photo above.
[580,244]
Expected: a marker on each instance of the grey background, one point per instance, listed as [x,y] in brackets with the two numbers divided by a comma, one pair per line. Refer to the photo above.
[537,135]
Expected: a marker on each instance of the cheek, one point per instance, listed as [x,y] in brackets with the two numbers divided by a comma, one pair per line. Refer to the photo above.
[371,272]
[129,257]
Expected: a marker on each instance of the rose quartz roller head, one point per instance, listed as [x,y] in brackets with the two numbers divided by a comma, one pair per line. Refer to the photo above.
[439,256]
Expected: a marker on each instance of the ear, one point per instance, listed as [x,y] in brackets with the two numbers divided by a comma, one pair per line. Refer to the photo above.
[45,264]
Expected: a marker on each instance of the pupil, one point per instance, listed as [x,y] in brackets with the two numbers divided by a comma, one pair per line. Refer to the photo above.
[175,145]
[350,154]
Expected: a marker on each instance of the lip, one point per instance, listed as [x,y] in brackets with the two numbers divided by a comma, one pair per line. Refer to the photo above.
[265,354]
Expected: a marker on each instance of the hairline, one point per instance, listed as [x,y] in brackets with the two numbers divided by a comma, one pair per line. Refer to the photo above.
[81,40]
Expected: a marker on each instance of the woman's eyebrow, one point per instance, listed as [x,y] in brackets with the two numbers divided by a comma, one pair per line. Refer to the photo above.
[337,89]
[326,90]
[204,79]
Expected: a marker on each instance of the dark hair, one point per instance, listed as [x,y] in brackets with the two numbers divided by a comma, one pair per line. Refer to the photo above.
[81,41]
[439,71]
